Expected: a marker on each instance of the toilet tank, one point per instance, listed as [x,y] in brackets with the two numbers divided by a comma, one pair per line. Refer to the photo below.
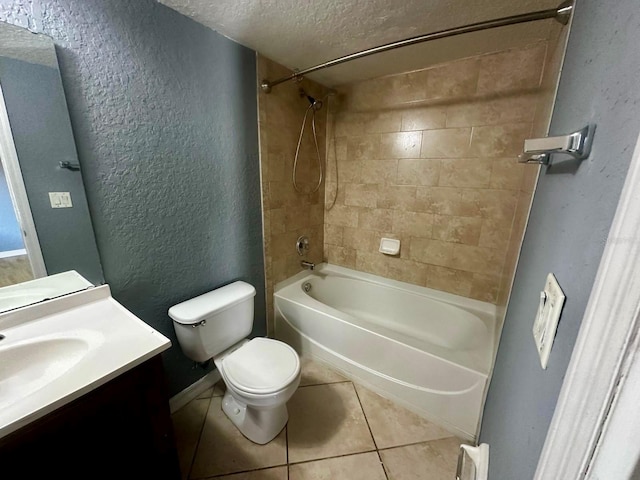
[210,323]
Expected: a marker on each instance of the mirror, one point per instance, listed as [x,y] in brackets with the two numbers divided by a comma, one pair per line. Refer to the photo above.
[45,226]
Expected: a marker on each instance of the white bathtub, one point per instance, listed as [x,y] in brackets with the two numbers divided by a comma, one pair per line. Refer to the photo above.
[427,350]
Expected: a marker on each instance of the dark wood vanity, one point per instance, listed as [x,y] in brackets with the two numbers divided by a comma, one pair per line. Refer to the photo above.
[120,430]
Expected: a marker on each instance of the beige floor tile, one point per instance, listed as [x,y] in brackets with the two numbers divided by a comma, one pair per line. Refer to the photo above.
[187,425]
[317,373]
[208,393]
[326,421]
[363,466]
[277,473]
[435,460]
[219,389]
[223,449]
[393,425]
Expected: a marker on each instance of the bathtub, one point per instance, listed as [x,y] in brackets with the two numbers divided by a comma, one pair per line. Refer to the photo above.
[429,351]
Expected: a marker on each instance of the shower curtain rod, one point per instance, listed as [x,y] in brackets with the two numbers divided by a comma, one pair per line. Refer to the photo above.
[561,14]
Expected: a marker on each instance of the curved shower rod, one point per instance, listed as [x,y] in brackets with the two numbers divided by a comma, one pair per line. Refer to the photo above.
[562,13]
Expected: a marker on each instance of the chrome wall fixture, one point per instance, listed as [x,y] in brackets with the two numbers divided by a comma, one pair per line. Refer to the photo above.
[562,14]
[576,144]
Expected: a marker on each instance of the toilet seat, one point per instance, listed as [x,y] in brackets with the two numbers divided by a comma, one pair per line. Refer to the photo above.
[261,366]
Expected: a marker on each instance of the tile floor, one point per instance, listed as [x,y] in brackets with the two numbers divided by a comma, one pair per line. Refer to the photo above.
[336,430]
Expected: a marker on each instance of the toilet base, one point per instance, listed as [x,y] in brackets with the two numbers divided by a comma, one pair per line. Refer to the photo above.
[258,425]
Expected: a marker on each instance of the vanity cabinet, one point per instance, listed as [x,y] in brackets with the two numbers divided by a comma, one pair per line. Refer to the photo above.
[120,430]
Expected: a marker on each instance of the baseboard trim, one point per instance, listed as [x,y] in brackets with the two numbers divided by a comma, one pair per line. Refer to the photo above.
[192,392]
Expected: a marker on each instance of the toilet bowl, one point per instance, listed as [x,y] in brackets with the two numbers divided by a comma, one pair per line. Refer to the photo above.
[261,374]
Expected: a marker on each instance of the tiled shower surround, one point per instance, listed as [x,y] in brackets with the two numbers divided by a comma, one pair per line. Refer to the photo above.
[428,157]
[288,214]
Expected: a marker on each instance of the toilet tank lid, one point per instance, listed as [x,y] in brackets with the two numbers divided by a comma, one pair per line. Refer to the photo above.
[215,301]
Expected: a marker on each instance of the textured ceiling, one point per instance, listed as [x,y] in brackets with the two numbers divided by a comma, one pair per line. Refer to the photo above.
[300,34]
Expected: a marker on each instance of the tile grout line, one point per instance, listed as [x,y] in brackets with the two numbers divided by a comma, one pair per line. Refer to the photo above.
[325,383]
[286,444]
[370,431]
[195,452]
[331,457]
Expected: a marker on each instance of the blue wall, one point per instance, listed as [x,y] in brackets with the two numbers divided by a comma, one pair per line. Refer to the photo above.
[10,236]
[570,219]
[164,115]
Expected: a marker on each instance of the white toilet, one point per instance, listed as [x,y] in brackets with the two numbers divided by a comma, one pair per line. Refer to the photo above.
[261,374]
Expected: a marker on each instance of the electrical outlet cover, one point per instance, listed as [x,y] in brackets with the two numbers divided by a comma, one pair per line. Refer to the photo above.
[547,318]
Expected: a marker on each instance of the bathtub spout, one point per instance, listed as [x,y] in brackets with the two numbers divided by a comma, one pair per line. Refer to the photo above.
[307,265]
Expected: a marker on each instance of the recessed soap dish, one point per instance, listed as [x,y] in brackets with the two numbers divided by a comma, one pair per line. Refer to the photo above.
[389,246]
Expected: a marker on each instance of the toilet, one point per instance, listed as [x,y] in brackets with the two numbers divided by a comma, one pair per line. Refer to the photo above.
[261,374]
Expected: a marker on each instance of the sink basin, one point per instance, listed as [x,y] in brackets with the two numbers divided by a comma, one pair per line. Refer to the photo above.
[55,351]
[27,366]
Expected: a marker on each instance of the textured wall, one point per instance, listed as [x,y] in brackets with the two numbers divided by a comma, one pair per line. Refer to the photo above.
[164,116]
[288,214]
[429,157]
[42,135]
[570,218]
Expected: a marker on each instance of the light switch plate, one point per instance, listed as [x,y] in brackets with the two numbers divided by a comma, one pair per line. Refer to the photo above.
[546,321]
[60,199]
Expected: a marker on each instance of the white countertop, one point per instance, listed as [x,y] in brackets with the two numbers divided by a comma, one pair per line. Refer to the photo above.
[58,350]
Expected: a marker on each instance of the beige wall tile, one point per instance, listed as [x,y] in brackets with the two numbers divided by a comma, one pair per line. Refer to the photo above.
[476,259]
[407,88]
[332,234]
[360,239]
[344,256]
[446,143]
[453,80]
[465,172]
[374,263]
[498,204]
[513,70]
[408,271]
[450,280]
[400,145]
[515,108]
[495,233]
[448,201]
[433,252]
[397,197]
[506,174]
[277,221]
[457,229]
[499,141]
[414,224]
[375,219]
[379,171]
[423,118]
[485,287]
[361,195]
[354,124]
[418,171]
[363,147]
[341,215]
